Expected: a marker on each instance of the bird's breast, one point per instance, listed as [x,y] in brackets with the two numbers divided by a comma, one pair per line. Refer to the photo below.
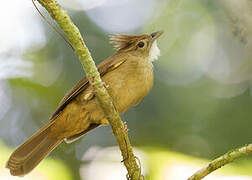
[129,83]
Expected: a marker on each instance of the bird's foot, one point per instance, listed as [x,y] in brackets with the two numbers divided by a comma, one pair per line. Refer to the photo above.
[105,85]
[89,96]
[125,127]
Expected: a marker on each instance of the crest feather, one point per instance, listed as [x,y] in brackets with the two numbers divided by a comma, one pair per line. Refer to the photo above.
[121,41]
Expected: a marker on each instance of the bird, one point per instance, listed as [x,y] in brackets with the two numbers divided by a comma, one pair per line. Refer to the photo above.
[128,77]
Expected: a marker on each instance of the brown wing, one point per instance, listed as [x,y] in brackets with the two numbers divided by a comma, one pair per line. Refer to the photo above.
[104,67]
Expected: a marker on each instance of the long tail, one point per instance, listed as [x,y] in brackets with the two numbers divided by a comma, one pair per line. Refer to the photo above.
[28,155]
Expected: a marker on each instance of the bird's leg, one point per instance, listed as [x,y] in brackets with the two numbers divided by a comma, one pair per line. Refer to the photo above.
[125,127]
[105,84]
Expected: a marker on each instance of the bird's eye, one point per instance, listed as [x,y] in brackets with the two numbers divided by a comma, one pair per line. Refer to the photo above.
[140,44]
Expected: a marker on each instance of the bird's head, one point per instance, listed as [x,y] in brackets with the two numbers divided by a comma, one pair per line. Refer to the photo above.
[144,45]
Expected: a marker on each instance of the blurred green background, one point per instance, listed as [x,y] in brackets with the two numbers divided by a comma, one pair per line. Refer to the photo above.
[200,105]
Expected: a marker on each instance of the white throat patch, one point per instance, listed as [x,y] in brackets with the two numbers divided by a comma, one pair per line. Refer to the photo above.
[154,52]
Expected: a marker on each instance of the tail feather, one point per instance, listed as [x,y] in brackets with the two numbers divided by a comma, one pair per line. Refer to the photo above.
[27,156]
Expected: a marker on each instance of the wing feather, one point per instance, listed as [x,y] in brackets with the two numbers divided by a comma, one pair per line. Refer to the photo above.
[103,68]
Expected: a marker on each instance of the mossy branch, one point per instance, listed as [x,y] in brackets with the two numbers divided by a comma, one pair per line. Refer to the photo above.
[222,161]
[77,42]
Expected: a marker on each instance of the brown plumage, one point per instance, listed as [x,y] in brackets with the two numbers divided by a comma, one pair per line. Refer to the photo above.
[129,77]
[122,41]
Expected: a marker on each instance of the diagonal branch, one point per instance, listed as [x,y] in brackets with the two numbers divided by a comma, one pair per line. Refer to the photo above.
[222,161]
[74,36]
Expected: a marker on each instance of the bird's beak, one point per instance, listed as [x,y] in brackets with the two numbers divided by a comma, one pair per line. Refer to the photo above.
[156,34]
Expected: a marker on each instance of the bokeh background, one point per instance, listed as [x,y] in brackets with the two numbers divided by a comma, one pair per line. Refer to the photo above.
[199,108]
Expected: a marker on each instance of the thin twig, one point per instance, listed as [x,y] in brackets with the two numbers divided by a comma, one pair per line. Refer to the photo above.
[221,161]
[50,24]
